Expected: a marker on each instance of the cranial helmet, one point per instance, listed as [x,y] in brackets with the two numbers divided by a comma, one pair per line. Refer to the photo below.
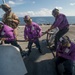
[55,11]
[65,40]
[27,17]
[6,7]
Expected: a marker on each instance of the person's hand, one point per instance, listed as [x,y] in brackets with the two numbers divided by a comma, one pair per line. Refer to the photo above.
[26,40]
[43,33]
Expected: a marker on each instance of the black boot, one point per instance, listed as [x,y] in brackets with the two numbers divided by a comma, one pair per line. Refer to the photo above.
[40,51]
[23,53]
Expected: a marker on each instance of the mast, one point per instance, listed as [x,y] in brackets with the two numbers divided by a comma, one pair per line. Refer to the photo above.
[3,1]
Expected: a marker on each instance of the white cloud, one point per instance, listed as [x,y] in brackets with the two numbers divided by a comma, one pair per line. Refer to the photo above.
[72,4]
[59,8]
[33,2]
[42,12]
[11,2]
[20,0]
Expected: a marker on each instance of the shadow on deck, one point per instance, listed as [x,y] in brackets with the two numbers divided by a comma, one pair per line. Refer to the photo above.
[40,64]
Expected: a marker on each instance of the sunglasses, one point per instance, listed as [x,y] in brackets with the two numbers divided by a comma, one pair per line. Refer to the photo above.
[27,20]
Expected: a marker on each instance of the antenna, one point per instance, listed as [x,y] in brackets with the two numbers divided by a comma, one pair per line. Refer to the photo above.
[3,1]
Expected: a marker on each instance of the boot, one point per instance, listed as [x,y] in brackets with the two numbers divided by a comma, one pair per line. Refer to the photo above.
[40,51]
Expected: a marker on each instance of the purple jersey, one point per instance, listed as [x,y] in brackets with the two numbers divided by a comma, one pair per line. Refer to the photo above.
[61,22]
[7,32]
[65,52]
[32,32]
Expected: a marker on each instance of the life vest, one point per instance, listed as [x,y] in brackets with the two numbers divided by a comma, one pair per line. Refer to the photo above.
[10,23]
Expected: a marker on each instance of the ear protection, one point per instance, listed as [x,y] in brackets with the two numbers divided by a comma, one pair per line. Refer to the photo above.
[65,40]
[6,7]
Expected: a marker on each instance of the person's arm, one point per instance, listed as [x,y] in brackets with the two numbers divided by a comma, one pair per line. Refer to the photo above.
[15,19]
[71,56]
[58,21]
[16,33]
[39,30]
[52,27]
[58,49]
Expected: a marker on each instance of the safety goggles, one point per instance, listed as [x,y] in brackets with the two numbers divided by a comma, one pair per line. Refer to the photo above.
[6,9]
[27,20]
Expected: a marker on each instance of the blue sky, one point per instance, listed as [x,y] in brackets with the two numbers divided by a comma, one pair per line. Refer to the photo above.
[40,7]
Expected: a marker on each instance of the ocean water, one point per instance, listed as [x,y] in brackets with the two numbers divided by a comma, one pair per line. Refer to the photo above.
[47,20]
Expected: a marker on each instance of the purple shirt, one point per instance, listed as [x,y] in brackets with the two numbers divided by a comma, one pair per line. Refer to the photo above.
[67,53]
[32,32]
[7,32]
[61,22]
